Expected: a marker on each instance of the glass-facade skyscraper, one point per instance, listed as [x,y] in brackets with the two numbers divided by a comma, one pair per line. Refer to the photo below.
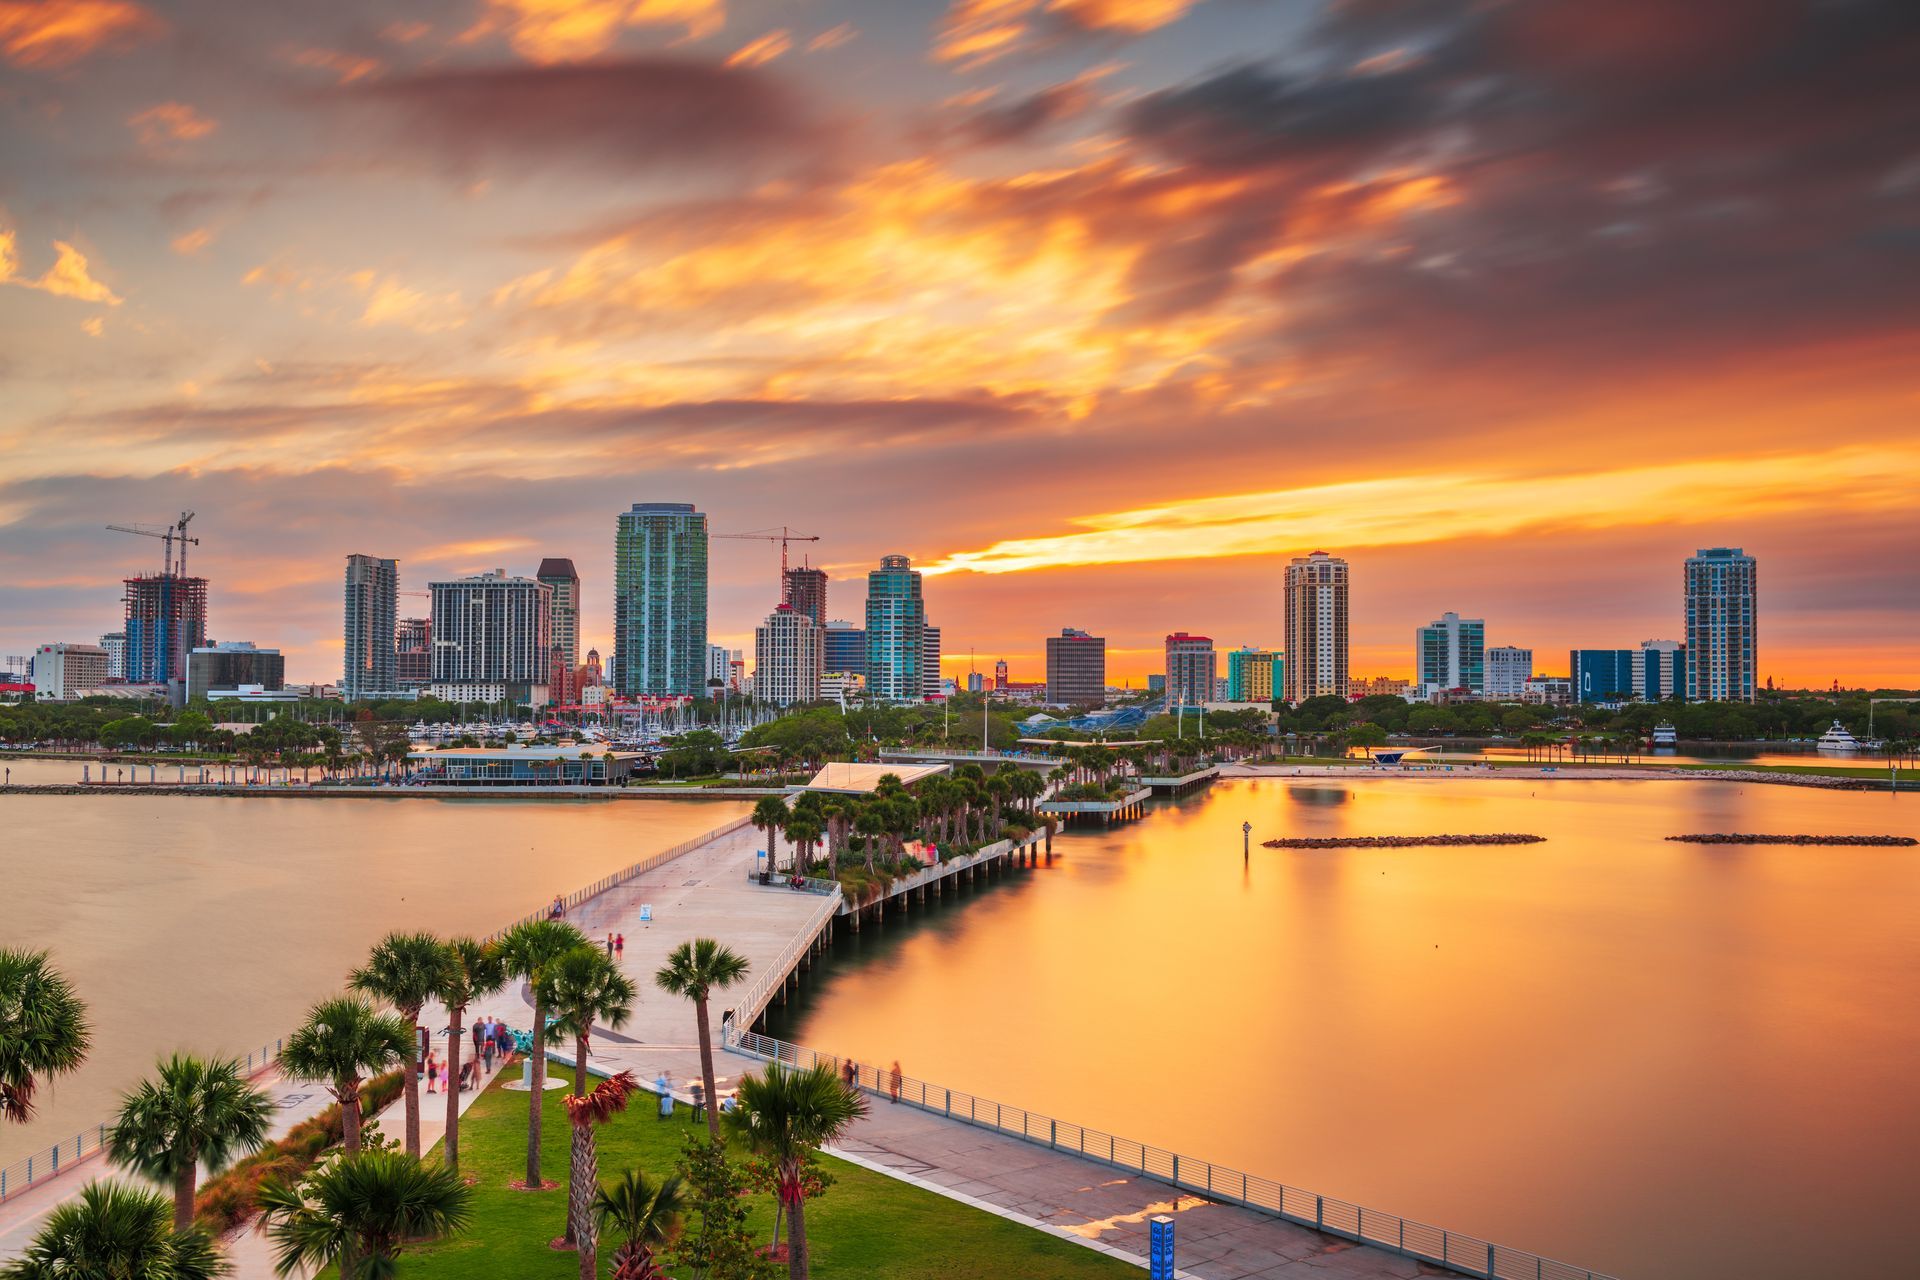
[896,632]
[1722,588]
[660,600]
[1451,653]
[372,597]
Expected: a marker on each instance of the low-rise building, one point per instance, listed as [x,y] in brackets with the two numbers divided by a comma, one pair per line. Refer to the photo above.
[1508,670]
[518,766]
[1552,691]
[68,670]
[231,664]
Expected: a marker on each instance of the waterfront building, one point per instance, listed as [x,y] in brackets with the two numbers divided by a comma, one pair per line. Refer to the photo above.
[806,590]
[492,629]
[115,643]
[1601,675]
[1660,671]
[896,632]
[521,766]
[1316,627]
[1722,589]
[488,692]
[844,648]
[1377,686]
[372,600]
[166,620]
[1000,676]
[1508,670]
[1451,653]
[563,614]
[787,657]
[231,665]
[1076,669]
[1250,675]
[1191,669]
[68,670]
[660,600]
[412,653]
[1552,691]
[931,685]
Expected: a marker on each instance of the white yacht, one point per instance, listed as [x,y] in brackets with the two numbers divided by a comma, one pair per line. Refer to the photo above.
[1665,735]
[1838,739]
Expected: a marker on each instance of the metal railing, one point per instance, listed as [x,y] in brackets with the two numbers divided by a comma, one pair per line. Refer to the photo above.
[48,1162]
[749,1006]
[784,880]
[1466,1254]
[639,868]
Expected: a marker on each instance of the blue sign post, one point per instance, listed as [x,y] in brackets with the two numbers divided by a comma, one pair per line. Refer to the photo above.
[1160,1248]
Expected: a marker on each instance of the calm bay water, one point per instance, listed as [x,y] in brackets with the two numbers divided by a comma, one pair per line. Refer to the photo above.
[212,924]
[1660,1060]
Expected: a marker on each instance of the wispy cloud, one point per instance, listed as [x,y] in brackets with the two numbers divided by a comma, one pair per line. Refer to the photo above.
[68,277]
[50,34]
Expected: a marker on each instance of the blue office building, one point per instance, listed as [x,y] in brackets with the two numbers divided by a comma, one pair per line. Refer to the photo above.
[1654,672]
[845,648]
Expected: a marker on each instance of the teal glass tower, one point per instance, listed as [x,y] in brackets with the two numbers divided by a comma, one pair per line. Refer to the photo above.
[896,632]
[660,601]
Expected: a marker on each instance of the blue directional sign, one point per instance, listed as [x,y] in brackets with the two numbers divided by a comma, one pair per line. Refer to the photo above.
[1160,1248]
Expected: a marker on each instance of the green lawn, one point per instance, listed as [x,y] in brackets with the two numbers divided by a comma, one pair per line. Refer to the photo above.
[866,1225]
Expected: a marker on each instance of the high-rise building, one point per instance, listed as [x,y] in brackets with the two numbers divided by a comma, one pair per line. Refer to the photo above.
[896,632]
[787,657]
[1000,677]
[413,653]
[1192,668]
[166,620]
[1250,674]
[68,670]
[1156,684]
[233,663]
[976,683]
[491,629]
[1600,675]
[806,591]
[1508,670]
[115,643]
[1076,669]
[660,600]
[1316,607]
[373,586]
[1451,653]
[845,648]
[1660,670]
[1722,589]
[930,682]
[564,616]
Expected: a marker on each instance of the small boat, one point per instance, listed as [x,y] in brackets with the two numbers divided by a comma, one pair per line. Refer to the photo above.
[1665,735]
[1838,739]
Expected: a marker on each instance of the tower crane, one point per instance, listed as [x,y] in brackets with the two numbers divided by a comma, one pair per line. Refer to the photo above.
[167,533]
[783,536]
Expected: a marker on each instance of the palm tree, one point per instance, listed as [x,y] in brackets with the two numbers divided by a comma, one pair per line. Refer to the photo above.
[361,1211]
[196,1111]
[342,1042]
[587,1112]
[644,1216]
[43,1029]
[803,830]
[405,970]
[693,972]
[788,1115]
[529,949]
[473,969]
[583,987]
[116,1232]
[769,815]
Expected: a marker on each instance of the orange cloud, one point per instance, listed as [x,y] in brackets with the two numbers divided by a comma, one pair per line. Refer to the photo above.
[567,30]
[170,122]
[832,38]
[68,277]
[192,242]
[50,34]
[346,67]
[762,50]
[975,32]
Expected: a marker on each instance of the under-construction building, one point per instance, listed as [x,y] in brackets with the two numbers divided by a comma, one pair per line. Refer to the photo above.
[166,621]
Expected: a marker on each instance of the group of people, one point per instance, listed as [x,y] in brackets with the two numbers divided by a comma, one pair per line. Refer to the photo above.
[491,1040]
[617,945]
[850,1076]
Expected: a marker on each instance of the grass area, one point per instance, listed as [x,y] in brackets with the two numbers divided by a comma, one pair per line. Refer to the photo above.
[866,1225]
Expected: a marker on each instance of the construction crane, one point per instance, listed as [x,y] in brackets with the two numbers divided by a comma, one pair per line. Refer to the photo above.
[167,534]
[783,536]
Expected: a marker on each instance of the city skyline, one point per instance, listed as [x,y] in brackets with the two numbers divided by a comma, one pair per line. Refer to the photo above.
[432,280]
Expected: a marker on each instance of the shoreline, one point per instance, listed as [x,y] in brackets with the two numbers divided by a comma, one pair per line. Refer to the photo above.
[1562,773]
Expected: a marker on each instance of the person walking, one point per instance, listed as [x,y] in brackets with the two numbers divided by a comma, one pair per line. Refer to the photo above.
[479,1030]
[620,946]
[486,1045]
[609,946]
[433,1073]
[893,1081]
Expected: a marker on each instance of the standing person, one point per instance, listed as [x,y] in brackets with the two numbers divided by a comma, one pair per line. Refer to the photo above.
[486,1045]
[609,946]
[620,946]
[479,1030]
[893,1081]
[433,1073]
[504,1038]
[664,1087]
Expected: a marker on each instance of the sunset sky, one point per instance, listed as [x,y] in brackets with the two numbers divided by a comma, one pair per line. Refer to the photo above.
[1099,309]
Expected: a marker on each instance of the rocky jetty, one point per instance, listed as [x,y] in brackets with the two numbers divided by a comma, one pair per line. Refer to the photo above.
[1394,842]
[1739,838]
